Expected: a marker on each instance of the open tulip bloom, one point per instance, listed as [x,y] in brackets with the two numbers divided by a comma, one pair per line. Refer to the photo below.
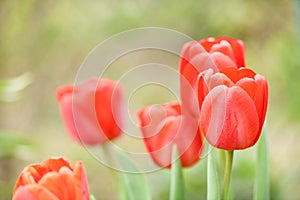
[54,179]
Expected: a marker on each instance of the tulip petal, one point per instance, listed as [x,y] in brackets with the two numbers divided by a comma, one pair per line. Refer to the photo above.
[189,73]
[62,185]
[81,183]
[87,128]
[249,85]
[56,163]
[195,48]
[31,175]
[33,192]
[188,52]
[246,73]
[261,98]
[65,105]
[229,119]
[207,43]
[236,74]
[212,116]
[160,146]
[109,110]
[223,47]
[183,55]
[189,141]
[92,111]
[207,81]
[239,52]
[79,119]
[117,112]
[194,59]
[187,91]
[238,48]
[64,90]
[182,132]
[222,61]
[219,79]
[25,178]
[163,127]
[204,61]
[202,90]
[151,118]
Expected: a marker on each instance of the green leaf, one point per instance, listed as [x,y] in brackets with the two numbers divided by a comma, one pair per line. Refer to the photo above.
[261,185]
[92,197]
[213,187]
[177,181]
[122,192]
[134,185]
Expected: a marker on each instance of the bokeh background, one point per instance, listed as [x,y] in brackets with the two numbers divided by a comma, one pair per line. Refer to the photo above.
[43,43]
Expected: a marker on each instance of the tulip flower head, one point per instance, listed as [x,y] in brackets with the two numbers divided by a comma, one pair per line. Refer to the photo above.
[209,53]
[92,111]
[233,104]
[54,179]
[165,126]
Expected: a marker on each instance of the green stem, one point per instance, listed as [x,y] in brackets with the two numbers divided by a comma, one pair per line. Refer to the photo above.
[227,175]
[177,189]
[222,158]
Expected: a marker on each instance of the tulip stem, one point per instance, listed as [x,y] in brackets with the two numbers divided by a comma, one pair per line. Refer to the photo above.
[227,175]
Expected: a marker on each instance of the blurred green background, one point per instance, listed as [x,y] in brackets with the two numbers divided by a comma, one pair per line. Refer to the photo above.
[43,43]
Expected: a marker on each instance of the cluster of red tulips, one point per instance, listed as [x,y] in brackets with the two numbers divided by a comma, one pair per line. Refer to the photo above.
[222,101]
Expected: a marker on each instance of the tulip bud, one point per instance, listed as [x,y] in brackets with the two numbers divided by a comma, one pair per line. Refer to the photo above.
[92,111]
[233,104]
[165,126]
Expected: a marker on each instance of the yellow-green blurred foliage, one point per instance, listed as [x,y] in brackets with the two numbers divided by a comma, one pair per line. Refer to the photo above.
[50,39]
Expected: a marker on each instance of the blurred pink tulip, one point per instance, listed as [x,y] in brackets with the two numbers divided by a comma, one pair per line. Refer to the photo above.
[92,111]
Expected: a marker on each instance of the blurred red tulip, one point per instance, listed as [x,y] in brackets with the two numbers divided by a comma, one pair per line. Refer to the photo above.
[55,179]
[233,104]
[165,126]
[209,53]
[92,111]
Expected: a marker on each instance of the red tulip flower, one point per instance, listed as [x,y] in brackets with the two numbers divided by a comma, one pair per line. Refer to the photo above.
[55,179]
[233,105]
[209,53]
[92,111]
[165,126]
